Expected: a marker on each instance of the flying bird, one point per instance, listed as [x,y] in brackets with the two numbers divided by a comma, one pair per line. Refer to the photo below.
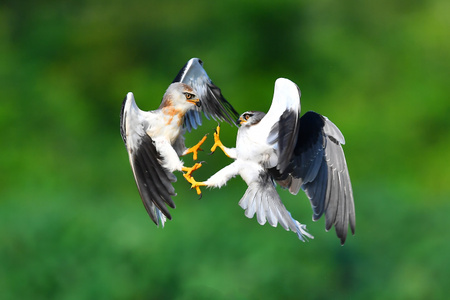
[155,139]
[281,147]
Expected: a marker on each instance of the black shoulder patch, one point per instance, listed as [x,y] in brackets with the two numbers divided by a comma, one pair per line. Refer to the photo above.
[287,137]
[310,128]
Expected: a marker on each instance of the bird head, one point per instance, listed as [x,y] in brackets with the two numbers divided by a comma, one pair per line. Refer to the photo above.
[181,96]
[250,118]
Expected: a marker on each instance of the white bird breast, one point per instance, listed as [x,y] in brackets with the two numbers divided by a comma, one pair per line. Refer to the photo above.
[251,145]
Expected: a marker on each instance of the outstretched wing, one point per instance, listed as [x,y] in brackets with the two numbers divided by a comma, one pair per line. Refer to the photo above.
[153,181]
[213,103]
[318,166]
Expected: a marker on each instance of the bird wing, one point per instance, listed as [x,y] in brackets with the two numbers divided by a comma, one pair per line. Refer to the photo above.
[286,97]
[310,157]
[262,198]
[281,121]
[318,166]
[213,103]
[153,181]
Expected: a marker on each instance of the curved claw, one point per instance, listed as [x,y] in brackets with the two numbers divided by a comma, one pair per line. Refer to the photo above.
[194,149]
[196,185]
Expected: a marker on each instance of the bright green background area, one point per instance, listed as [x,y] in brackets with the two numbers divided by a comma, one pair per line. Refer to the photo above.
[72,225]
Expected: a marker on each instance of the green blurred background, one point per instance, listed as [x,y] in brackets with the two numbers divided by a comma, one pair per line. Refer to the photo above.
[72,225]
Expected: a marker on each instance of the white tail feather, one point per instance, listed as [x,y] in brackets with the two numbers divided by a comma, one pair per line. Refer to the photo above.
[262,198]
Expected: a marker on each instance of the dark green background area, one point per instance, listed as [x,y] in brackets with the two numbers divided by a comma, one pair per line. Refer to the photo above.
[72,225]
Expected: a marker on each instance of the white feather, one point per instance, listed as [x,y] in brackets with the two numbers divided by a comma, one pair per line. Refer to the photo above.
[134,120]
[251,210]
[221,177]
[286,96]
[261,212]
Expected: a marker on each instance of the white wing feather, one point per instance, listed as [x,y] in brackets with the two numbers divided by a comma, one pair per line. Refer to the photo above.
[286,96]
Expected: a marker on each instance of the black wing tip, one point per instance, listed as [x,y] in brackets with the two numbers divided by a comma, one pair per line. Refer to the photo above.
[153,216]
[342,234]
[156,220]
[343,238]
[226,111]
[151,208]
[153,181]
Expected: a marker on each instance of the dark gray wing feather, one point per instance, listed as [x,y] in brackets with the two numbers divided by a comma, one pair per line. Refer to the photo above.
[214,104]
[318,166]
[285,133]
[153,181]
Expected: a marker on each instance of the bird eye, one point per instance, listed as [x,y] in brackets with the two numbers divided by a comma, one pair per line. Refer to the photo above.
[189,96]
[246,116]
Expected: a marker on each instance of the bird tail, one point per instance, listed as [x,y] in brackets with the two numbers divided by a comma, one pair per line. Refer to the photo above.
[262,198]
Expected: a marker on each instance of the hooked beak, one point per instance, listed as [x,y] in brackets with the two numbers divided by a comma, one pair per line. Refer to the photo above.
[196,102]
[240,120]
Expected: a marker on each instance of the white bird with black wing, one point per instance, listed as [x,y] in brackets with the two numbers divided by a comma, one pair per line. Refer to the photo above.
[280,147]
[155,141]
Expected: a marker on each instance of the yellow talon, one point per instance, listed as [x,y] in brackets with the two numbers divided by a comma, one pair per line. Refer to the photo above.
[191,180]
[195,184]
[194,150]
[191,169]
[218,142]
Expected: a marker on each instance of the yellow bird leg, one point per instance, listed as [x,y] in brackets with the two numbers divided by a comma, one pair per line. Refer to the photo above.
[194,150]
[218,142]
[191,169]
[190,179]
[194,184]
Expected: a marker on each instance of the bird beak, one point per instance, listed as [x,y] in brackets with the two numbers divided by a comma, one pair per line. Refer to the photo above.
[240,121]
[195,101]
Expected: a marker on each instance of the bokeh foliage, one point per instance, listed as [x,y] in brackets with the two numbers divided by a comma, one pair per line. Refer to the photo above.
[71,222]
